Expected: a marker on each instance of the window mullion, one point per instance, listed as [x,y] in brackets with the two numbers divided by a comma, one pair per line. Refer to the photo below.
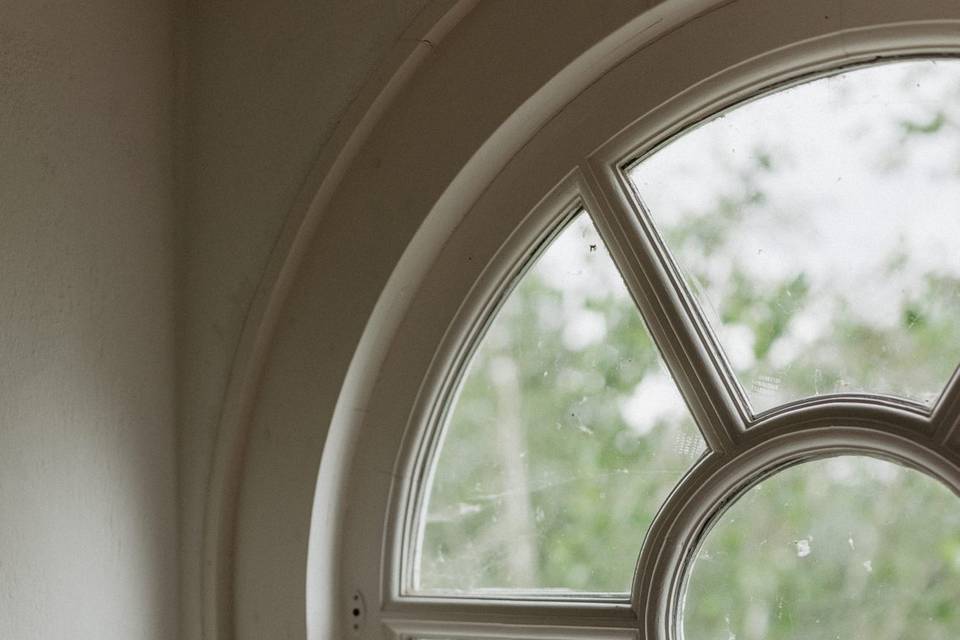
[667,308]
[946,414]
[416,619]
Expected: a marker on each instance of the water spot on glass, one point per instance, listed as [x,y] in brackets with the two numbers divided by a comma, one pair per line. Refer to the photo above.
[766,384]
[749,580]
[466,508]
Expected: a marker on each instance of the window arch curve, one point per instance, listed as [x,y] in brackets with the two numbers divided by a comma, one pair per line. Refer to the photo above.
[565,436]
[857,424]
[564,161]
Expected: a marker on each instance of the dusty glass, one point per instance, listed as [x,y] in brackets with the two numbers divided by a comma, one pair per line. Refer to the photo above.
[567,435]
[848,547]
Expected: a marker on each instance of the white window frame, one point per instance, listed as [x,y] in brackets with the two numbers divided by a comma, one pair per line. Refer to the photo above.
[500,232]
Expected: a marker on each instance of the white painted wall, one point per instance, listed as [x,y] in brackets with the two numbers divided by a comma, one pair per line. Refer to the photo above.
[87,438]
[105,257]
[267,85]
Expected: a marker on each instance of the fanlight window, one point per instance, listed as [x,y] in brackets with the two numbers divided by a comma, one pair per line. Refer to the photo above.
[810,238]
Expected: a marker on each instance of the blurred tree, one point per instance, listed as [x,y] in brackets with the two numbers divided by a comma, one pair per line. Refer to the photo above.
[567,434]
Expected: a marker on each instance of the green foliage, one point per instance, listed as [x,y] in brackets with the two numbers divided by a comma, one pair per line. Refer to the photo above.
[846,547]
[931,126]
[547,478]
[591,483]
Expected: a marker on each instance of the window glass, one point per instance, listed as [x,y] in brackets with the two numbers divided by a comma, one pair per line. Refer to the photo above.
[848,547]
[567,435]
[817,228]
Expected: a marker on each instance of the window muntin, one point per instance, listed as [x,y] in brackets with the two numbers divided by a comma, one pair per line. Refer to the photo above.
[512,609]
[846,547]
[816,225]
[566,437]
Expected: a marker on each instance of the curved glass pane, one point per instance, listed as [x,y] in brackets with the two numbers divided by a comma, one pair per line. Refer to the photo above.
[567,435]
[818,226]
[848,547]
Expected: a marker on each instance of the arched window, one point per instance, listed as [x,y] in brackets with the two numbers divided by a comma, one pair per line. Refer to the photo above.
[803,239]
[629,322]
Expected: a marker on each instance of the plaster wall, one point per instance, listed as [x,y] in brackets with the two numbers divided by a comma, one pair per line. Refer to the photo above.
[266,85]
[87,435]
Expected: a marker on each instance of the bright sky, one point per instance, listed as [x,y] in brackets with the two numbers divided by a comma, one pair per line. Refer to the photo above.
[848,192]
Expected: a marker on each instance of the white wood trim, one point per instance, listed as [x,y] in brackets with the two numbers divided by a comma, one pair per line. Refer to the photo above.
[514,621]
[945,417]
[744,446]
[667,312]
[703,495]
[452,356]
[763,42]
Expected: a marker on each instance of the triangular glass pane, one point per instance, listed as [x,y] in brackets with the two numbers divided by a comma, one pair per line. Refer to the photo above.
[566,436]
[818,228]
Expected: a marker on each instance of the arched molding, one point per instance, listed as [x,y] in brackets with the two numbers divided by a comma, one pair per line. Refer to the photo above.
[359,298]
[410,52]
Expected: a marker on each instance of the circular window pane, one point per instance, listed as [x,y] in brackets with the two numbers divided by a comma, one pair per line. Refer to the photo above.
[847,547]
